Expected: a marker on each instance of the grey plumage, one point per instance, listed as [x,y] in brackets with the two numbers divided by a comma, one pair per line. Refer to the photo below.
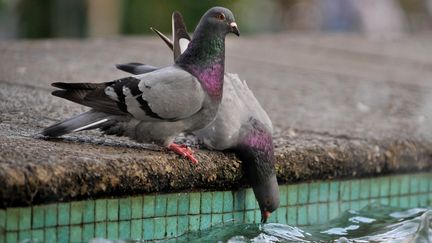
[156,106]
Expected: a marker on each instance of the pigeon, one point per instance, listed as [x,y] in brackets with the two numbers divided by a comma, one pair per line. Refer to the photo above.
[155,107]
[241,125]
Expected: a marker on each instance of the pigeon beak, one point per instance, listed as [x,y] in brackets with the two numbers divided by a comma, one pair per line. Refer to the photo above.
[234,28]
[264,216]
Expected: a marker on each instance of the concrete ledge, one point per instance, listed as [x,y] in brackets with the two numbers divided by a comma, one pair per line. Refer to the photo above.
[337,115]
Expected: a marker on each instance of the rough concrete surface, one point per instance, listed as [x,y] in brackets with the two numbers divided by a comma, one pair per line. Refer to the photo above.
[342,106]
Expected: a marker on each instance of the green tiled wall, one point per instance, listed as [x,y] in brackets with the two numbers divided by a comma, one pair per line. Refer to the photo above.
[168,215]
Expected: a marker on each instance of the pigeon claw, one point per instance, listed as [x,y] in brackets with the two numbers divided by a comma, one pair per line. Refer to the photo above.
[184,151]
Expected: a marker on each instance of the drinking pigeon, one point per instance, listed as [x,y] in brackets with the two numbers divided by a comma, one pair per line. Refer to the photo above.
[241,124]
[155,107]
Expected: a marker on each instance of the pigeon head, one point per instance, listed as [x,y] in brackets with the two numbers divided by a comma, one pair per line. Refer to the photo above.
[205,54]
[219,20]
[255,150]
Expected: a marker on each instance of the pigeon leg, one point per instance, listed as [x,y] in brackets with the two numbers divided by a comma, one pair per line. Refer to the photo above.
[184,151]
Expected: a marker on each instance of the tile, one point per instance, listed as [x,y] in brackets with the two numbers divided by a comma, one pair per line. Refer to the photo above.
[136,229]
[125,209]
[217,202]
[161,205]
[238,216]
[171,226]
[322,213]
[136,207]
[414,201]
[101,229]
[183,204]
[345,190]
[364,203]
[38,217]
[194,202]
[384,186]
[50,235]
[159,228]
[365,189]
[404,185]
[206,202]
[324,192]
[292,194]
[302,216]
[124,229]
[89,211]
[183,224]
[216,219]
[228,201]
[249,199]
[76,233]
[205,221]
[172,204]
[374,188]
[148,228]
[313,192]
[384,201]
[11,237]
[112,230]
[393,201]
[303,192]
[345,206]
[23,236]
[12,218]
[76,212]
[38,235]
[355,190]
[283,196]
[194,222]
[333,210]
[281,215]
[2,218]
[149,206]
[112,210]
[272,218]
[292,215]
[88,232]
[239,200]
[423,200]
[334,191]
[101,210]
[63,213]
[250,216]
[63,234]
[355,205]
[313,214]
[403,201]
[395,185]
[227,217]
[414,184]
[50,215]
[424,183]
[24,219]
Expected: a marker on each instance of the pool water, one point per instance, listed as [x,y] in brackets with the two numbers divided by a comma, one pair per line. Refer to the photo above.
[373,223]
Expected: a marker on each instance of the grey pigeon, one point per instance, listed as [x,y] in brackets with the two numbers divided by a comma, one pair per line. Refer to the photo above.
[155,107]
[241,124]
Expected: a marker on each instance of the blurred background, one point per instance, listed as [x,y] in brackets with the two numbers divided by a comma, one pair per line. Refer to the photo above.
[106,18]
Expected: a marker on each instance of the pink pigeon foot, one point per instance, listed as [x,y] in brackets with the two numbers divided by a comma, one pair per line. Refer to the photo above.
[184,151]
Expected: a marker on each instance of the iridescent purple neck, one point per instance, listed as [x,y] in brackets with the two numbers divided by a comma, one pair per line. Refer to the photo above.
[211,78]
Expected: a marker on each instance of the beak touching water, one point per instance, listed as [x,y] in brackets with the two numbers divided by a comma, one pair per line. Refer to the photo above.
[234,28]
[264,216]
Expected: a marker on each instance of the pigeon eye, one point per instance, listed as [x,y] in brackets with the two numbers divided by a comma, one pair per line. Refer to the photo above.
[220,16]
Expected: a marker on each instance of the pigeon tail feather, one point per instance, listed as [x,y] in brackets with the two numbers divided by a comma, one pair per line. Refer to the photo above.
[85,121]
